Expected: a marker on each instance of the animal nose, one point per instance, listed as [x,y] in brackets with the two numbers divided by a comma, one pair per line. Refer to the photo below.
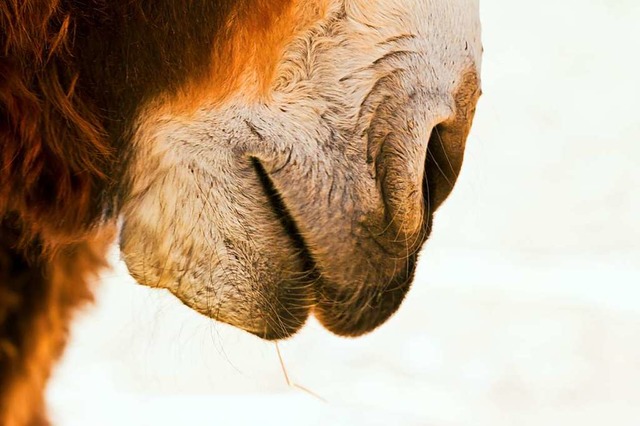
[385,243]
[358,267]
[410,199]
[361,238]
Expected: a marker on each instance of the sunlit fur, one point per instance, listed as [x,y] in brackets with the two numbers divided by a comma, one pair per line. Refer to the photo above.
[269,159]
[362,97]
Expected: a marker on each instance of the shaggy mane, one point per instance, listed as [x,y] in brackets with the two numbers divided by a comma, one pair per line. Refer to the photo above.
[72,77]
[54,151]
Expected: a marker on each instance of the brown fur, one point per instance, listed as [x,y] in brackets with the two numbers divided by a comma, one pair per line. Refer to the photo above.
[37,298]
[54,151]
[72,77]
[53,155]
[61,135]
[79,79]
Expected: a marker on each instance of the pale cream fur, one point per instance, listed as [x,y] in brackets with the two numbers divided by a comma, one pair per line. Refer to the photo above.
[197,221]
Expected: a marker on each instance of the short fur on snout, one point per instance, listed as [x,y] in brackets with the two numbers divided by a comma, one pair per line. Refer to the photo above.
[318,194]
[268,160]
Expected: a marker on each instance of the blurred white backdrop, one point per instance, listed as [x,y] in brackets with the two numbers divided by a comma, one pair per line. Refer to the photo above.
[526,307]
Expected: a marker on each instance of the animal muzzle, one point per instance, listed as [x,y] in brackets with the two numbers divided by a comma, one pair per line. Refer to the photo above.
[358,265]
[359,235]
[278,223]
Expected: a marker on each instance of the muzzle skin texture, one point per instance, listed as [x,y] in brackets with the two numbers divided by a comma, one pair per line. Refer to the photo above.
[316,196]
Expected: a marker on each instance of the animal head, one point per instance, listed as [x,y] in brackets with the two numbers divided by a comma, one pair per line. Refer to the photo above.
[269,159]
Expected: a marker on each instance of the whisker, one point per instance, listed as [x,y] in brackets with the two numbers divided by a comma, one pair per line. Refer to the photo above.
[290,383]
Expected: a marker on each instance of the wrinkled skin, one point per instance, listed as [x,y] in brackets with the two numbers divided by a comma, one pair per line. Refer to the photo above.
[318,197]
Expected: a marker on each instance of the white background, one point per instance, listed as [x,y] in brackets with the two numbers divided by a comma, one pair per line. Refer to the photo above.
[526,307]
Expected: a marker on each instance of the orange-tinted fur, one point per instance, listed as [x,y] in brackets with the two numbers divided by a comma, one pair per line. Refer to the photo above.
[52,155]
[63,141]
[37,299]
[53,149]
[254,39]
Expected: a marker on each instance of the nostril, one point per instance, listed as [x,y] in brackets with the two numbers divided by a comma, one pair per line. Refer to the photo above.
[400,174]
[445,153]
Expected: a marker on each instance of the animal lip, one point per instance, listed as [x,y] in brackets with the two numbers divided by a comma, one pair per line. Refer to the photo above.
[345,308]
[286,220]
[290,312]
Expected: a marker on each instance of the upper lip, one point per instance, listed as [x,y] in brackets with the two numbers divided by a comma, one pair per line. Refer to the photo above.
[345,308]
[290,316]
[286,220]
